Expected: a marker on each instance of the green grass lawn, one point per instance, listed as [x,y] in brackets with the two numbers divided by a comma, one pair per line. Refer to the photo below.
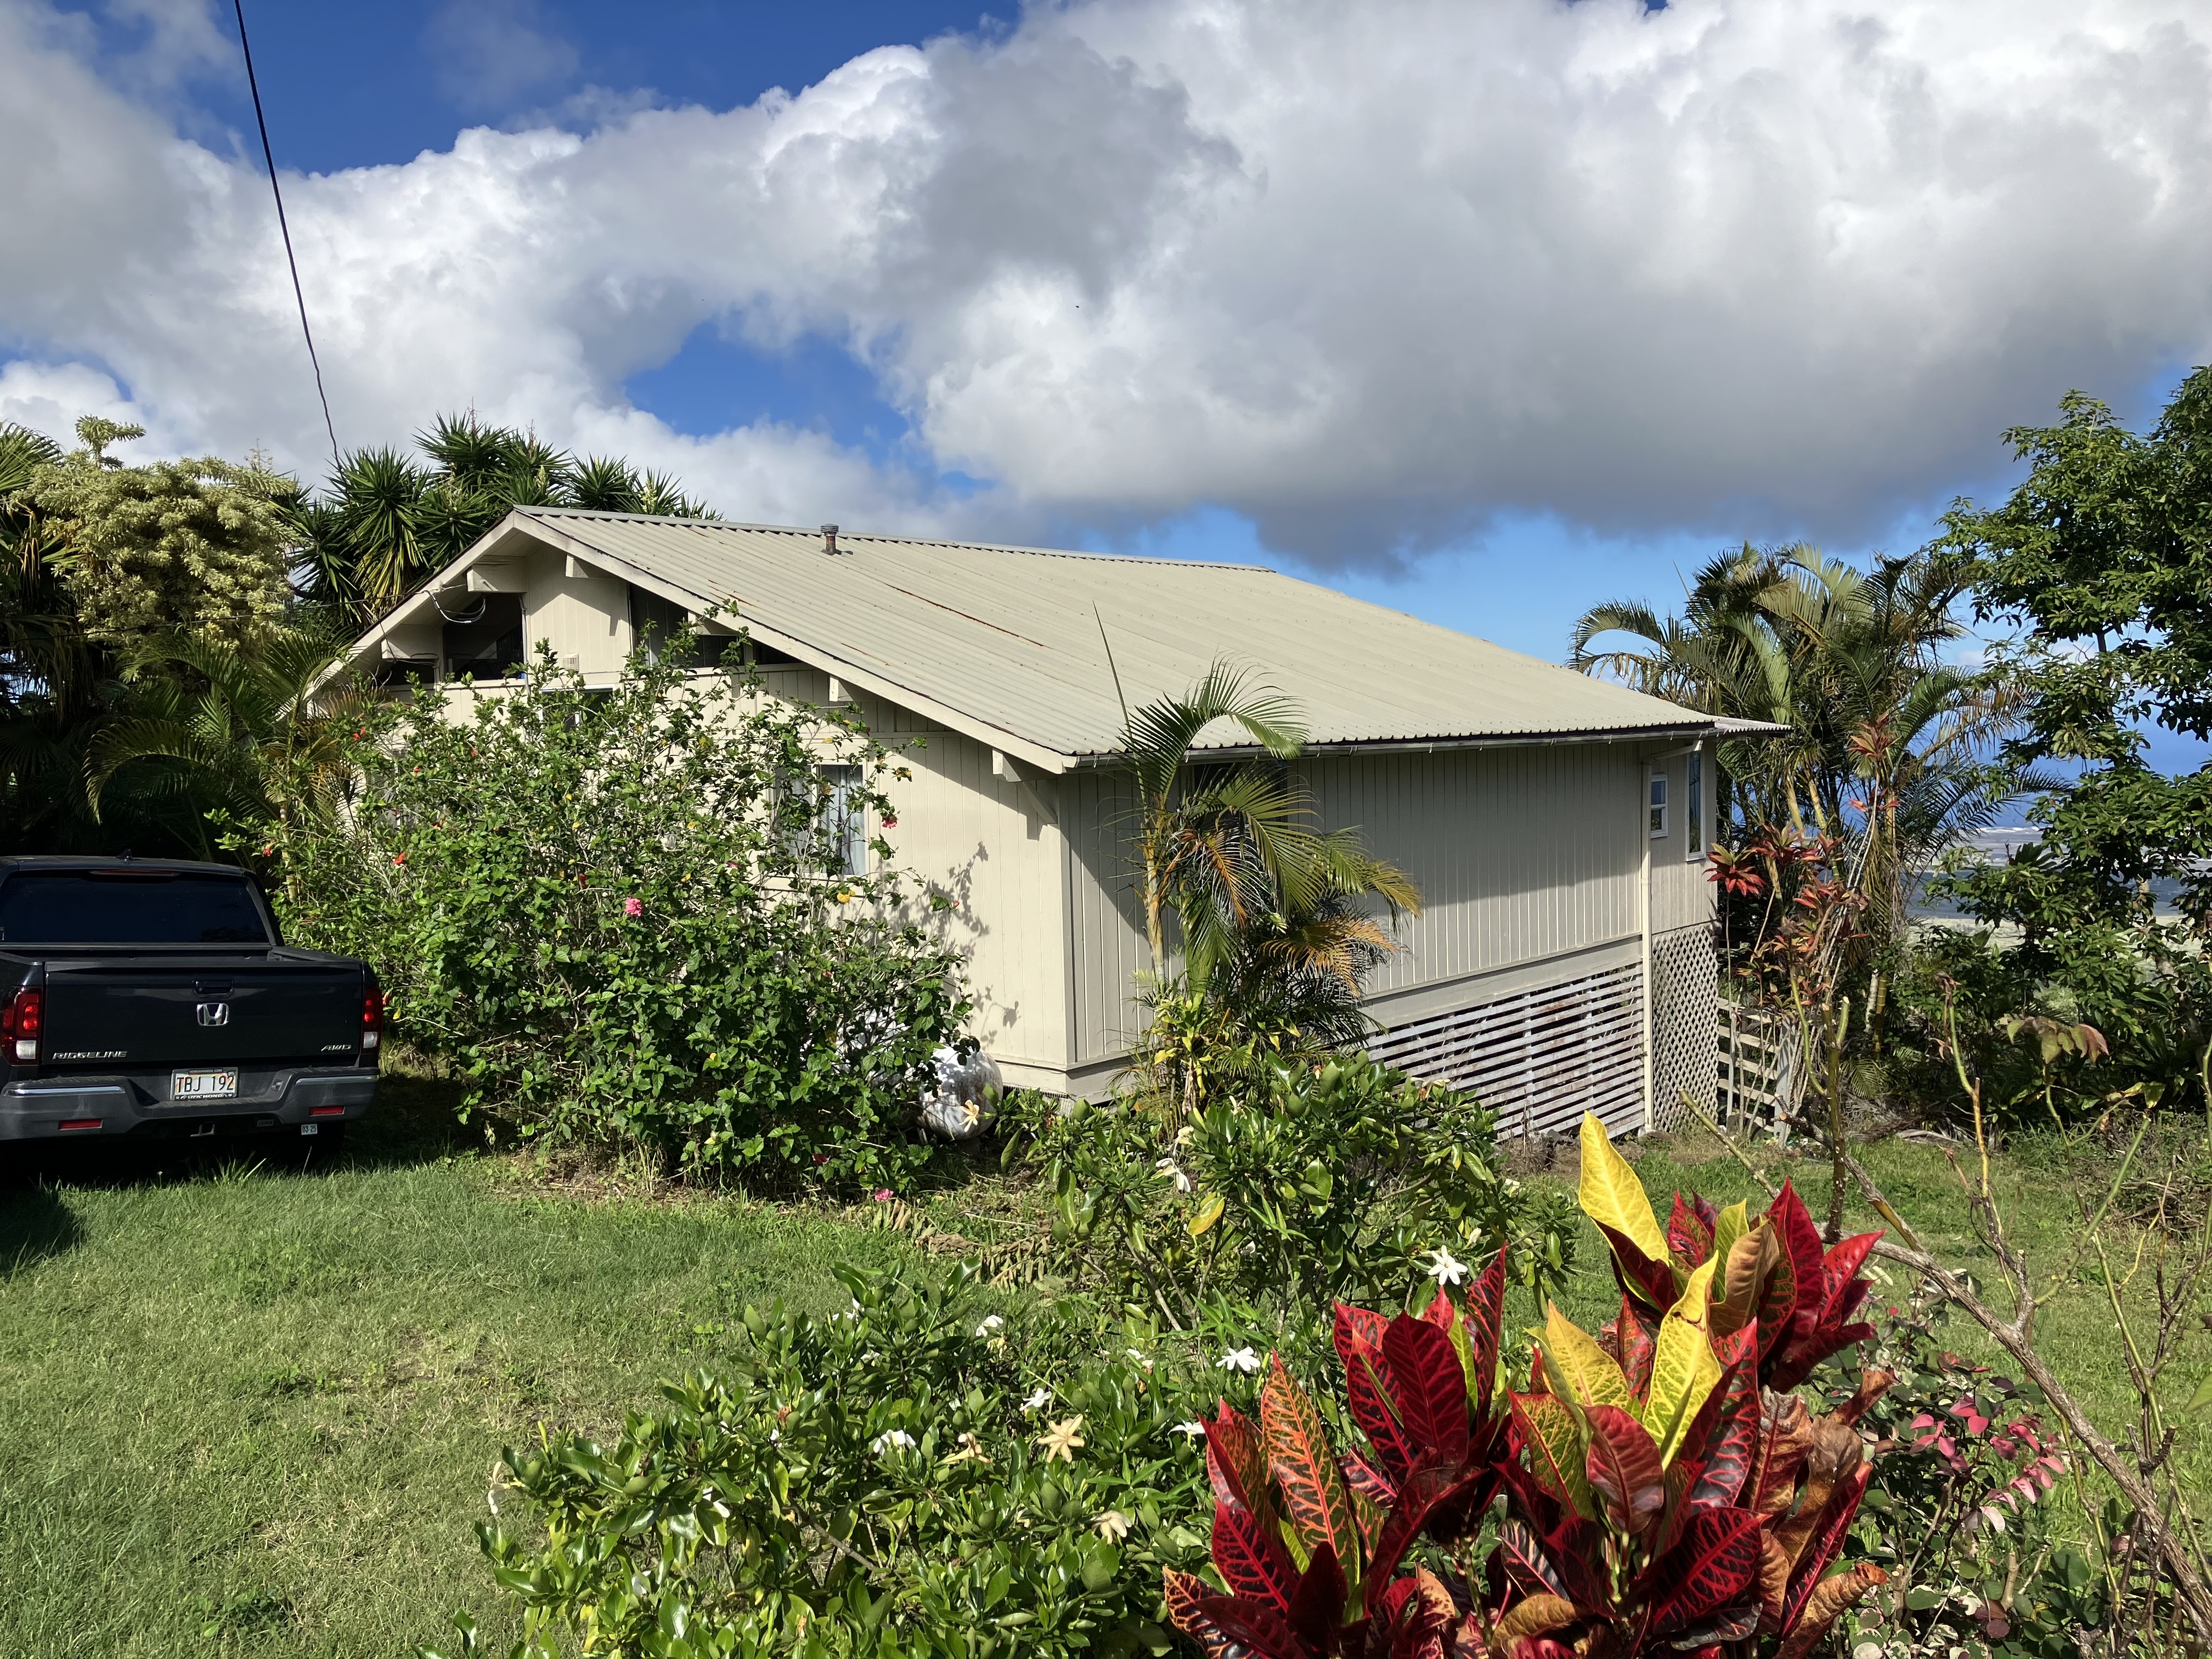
[256,1410]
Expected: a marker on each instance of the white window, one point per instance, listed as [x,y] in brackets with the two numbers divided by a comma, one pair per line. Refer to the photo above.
[1694,822]
[841,821]
[1658,806]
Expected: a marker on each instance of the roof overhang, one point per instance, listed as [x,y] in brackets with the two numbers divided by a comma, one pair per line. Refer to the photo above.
[519,526]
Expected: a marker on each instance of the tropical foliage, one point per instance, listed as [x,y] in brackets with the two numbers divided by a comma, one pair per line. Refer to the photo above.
[624,915]
[387,521]
[1273,936]
[1883,739]
[1663,1491]
[1313,1181]
[2102,559]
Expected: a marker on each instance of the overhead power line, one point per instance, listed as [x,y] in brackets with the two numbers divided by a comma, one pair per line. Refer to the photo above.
[275,190]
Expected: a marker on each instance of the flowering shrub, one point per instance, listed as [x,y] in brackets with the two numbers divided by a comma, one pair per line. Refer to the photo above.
[622,916]
[1956,1516]
[1657,1499]
[916,1477]
[1332,1178]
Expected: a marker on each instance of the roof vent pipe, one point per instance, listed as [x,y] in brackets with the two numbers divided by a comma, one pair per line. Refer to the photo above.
[829,538]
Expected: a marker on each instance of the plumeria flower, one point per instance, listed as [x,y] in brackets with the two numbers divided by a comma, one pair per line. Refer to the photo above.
[1446,1268]
[1240,1359]
[1112,1526]
[991,1323]
[1038,1400]
[1062,1439]
[1190,1429]
[889,1438]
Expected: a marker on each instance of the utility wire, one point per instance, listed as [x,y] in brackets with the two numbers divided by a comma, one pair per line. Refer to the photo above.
[270,156]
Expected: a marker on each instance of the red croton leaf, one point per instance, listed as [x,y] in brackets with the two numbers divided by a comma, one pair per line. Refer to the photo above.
[1235,1464]
[1315,1496]
[1710,1568]
[1484,1313]
[1624,1468]
[1317,1606]
[1827,1541]
[1224,1628]
[1250,1557]
[1635,1343]
[1725,1434]
[1652,1282]
[1428,1387]
[1417,1614]
[1369,1388]
[1690,1231]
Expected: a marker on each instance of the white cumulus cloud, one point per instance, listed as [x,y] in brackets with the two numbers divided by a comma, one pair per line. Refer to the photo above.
[1368,274]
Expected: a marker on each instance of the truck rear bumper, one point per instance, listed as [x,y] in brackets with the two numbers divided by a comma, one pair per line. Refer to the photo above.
[88,1108]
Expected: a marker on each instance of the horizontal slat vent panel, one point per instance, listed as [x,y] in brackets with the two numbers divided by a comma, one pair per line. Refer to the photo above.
[1538,1060]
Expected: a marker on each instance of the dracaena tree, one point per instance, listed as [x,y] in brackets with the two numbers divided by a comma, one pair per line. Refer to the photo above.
[1664,1493]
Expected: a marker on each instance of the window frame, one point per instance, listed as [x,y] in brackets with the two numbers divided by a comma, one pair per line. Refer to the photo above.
[1656,804]
[844,798]
[1694,806]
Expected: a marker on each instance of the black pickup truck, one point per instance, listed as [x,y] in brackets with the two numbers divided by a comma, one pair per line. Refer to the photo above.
[154,998]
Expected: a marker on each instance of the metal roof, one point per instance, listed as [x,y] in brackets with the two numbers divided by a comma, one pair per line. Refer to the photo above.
[1004,642]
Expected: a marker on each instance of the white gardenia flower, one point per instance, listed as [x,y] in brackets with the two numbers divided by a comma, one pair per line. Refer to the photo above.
[891,1437]
[991,1323]
[1240,1359]
[1447,1268]
[1168,1166]
[1192,1429]
[1142,1362]
[1038,1400]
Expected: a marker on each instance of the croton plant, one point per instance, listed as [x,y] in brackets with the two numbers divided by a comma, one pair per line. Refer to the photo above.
[1664,1492]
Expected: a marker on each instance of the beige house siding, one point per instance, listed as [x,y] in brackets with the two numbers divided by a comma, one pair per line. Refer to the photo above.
[586,618]
[1681,895]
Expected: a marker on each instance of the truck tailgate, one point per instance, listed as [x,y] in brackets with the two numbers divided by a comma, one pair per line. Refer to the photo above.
[208,1012]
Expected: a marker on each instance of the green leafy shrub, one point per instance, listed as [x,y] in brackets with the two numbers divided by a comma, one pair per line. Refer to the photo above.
[1328,1179]
[623,915]
[920,1476]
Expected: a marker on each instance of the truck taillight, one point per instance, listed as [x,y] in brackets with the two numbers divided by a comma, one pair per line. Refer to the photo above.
[21,1022]
[372,1020]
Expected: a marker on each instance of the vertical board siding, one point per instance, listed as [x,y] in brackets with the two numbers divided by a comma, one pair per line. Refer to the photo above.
[991,850]
[1521,854]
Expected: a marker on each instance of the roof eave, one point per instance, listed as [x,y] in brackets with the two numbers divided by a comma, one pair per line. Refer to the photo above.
[1699,728]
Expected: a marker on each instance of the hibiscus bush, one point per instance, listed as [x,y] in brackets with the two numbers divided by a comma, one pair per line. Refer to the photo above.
[626,916]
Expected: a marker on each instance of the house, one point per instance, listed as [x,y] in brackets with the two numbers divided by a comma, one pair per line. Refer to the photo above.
[1556,824]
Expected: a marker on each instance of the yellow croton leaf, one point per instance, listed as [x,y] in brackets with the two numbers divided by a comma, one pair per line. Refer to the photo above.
[1588,1369]
[1732,1224]
[1612,1196]
[1683,1369]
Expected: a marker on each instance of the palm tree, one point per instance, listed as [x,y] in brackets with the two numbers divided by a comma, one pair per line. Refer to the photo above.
[1887,742]
[388,522]
[1268,906]
[243,735]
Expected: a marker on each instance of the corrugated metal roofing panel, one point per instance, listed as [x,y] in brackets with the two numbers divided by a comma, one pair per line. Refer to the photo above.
[1010,635]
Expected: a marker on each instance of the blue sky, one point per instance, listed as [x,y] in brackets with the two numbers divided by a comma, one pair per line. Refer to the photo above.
[1528,430]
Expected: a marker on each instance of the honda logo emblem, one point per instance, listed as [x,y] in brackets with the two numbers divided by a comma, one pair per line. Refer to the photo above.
[214,1013]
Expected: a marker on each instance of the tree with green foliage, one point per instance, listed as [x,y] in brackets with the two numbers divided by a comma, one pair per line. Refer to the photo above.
[199,547]
[2103,557]
[387,521]
[1275,933]
[1885,739]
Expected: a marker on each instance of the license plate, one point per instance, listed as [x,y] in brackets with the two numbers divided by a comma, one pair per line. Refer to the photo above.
[203,1085]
